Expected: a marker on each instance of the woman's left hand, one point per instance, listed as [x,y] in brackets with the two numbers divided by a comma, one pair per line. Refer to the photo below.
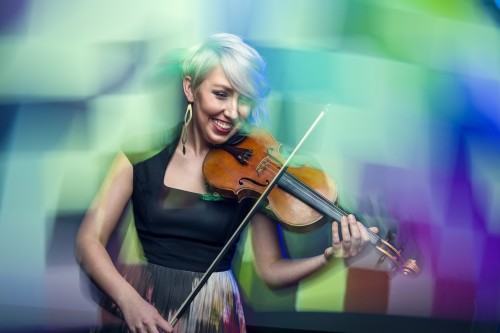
[354,238]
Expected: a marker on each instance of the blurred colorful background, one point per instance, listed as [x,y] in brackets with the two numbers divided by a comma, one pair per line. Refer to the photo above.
[412,140]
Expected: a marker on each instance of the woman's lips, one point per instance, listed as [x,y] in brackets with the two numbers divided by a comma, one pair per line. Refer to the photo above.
[222,126]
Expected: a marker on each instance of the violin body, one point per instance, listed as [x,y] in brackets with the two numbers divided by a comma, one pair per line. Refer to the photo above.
[245,170]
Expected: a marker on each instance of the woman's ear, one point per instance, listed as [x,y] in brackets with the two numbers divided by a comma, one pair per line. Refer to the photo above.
[187,85]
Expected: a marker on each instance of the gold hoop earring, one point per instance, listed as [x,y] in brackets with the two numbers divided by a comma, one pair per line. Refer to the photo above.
[187,119]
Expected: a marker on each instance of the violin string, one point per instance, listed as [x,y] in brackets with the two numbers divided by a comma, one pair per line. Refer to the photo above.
[273,169]
[315,197]
[324,202]
[311,194]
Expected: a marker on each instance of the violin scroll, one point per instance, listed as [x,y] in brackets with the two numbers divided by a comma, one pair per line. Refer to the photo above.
[408,267]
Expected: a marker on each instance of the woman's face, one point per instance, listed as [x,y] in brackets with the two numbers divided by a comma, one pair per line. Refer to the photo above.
[218,109]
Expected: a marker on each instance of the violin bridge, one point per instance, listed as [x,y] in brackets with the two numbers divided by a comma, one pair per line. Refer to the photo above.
[262,166]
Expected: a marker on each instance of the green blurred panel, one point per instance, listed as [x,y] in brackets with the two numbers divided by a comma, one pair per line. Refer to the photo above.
[307,244]
[440,43]
[262,298]
[131,250]
[411,36]
[429,33]
[47,70]
[111,21]
[341,78]
[242,266]
[81,176]
[477,50]
[324,291]
[114,119]
[459,10]
[299,24]
[309,294]
[255,292]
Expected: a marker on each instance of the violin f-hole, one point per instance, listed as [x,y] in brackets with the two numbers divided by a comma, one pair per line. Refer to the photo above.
[241,182]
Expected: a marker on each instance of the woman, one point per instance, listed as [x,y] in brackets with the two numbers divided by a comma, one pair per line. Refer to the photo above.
[180,227]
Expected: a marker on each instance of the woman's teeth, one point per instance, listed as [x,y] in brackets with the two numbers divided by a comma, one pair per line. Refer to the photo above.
[222,124]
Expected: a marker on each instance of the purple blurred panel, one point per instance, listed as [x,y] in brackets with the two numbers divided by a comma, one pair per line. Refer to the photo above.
[408,200]
[62,240]
[488,295]
[458,254]
[423,245]
[12,14]
[454,299]
[462,208]
[406,192]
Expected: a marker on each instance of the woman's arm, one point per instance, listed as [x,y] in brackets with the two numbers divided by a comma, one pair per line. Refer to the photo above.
[95,231]
[278,272]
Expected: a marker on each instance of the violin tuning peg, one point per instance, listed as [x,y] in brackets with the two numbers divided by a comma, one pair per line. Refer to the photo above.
[410,268]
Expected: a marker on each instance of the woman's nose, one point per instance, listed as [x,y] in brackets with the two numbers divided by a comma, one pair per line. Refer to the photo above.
[231,110]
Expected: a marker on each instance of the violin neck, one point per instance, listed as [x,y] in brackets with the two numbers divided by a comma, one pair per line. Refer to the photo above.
[297,188]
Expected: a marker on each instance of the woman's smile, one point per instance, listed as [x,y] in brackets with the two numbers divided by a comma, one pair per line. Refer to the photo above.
[221,126]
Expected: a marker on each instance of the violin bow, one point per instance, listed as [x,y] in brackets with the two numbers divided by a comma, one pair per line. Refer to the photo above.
[243,223]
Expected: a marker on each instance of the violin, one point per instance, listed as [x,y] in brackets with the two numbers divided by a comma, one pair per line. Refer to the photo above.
[303,198]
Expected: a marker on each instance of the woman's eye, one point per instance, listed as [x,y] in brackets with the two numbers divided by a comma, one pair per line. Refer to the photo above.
[220,94]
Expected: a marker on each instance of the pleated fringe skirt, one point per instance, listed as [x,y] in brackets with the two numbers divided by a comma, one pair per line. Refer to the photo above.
[217,307]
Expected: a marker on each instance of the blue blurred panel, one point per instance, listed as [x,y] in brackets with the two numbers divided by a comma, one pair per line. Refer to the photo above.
[493,8]
[50,126]
[8,113]
[299,70]
[61,239]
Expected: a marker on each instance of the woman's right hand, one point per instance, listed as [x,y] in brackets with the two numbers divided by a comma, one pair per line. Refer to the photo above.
[141,316]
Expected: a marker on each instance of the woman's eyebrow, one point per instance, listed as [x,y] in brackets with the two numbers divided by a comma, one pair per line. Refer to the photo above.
[224,86]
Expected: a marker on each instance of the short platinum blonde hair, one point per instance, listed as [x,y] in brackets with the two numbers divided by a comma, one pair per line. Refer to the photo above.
[242,64]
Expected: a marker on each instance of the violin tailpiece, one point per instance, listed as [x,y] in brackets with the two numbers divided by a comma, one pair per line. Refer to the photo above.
[241,154]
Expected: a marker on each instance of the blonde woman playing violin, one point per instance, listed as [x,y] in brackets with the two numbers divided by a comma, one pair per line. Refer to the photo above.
[181,229]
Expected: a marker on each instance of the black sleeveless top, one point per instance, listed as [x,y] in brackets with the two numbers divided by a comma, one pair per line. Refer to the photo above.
[176,228]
